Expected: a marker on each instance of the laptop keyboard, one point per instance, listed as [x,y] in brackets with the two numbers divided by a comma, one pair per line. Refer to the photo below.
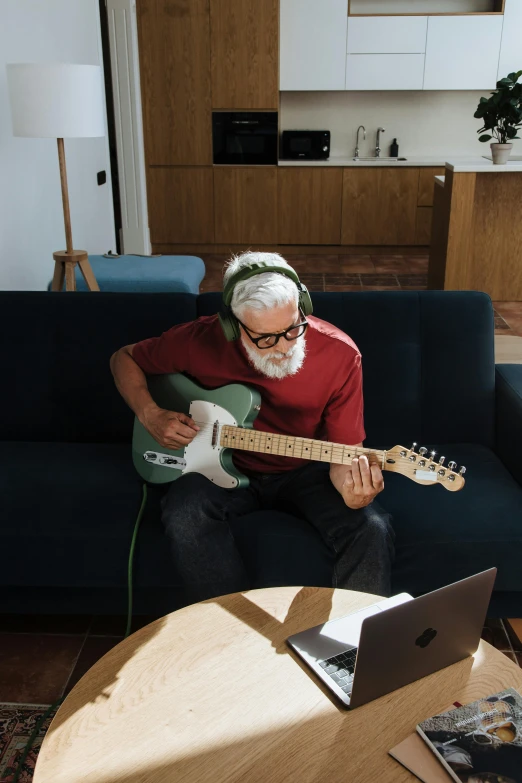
[341,668]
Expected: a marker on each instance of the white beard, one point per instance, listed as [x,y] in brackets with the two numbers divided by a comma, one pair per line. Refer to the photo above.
[289,365]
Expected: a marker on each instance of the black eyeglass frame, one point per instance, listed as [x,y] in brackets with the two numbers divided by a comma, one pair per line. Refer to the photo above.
[277,335]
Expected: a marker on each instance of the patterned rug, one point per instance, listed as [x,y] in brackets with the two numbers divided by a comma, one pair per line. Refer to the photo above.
[17,722]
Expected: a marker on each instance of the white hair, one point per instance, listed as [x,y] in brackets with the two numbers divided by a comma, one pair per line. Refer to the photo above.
[263,291]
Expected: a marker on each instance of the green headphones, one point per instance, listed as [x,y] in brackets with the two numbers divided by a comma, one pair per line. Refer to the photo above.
[228,320]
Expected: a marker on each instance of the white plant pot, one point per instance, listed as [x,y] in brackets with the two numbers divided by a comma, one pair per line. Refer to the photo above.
[501,152]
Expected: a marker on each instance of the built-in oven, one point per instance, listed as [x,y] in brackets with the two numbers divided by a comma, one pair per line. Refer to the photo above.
[244,137]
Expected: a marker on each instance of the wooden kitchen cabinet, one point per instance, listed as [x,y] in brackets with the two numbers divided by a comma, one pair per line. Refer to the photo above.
[174,42]
[245,204]
[244,53]
[379,206]
[181,204]
[427,184]
[309,205]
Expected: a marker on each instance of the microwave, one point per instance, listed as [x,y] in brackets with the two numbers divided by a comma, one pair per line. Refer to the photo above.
[305,144]
[244,137]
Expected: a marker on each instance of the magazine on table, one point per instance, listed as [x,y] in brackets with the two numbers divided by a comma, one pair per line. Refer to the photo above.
[479,742]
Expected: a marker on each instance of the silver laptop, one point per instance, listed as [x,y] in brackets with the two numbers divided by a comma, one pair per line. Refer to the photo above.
[398,640]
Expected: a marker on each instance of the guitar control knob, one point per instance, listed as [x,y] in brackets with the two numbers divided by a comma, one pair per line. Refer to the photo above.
[462,470]
[423,450]
[413,446]
[441,460]
[452,465]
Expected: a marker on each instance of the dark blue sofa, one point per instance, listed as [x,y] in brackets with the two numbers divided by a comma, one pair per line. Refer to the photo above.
[69,494]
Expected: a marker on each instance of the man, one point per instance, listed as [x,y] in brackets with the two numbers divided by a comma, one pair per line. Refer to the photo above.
[309,376]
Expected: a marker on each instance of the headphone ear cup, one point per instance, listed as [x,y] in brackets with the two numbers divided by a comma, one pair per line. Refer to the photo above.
[229,325]
[305,300]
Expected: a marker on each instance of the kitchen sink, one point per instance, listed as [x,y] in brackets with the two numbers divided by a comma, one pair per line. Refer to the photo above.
[378,160]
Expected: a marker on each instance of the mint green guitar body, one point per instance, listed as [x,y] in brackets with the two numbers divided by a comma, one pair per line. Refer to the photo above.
[234,404]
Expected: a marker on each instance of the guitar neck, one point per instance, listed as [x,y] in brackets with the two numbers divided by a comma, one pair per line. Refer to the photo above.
[290,446]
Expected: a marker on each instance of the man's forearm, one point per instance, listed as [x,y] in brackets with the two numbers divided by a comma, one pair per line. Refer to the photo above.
[132,384]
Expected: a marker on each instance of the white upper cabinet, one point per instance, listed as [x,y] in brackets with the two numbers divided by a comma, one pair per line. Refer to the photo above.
[387,34]
[462,52]
[384,71]
[511,46]
[312,48]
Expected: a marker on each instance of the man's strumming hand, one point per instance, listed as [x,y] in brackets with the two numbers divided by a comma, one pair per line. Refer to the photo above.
[170,429]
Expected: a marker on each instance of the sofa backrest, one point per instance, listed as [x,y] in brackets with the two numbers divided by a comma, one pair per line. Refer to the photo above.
[428,361]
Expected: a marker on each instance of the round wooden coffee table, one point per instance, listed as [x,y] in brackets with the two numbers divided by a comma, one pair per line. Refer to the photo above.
[212,693]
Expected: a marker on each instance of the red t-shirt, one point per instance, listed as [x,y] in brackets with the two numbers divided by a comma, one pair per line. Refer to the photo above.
[322,400]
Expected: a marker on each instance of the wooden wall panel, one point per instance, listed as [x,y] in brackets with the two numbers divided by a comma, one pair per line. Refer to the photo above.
[379,206]
[245,54]
[309,203]
[427,184]
[174,45]
[181,204]
[245,204]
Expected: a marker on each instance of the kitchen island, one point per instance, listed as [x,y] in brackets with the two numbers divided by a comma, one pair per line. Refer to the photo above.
[477,229]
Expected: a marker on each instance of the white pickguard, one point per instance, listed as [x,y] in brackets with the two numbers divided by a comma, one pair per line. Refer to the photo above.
[200,455]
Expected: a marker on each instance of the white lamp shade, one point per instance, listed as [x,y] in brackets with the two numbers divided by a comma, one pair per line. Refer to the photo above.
[56,100]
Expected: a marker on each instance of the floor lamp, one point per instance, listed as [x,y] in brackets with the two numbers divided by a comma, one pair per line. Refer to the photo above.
[59,101]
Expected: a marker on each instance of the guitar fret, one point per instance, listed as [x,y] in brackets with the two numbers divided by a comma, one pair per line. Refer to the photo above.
[293,446]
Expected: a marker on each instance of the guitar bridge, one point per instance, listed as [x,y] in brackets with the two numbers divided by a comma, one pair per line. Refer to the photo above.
[215,434]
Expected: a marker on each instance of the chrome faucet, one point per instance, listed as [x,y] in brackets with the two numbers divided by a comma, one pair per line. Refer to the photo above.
[377,143]
[357,141]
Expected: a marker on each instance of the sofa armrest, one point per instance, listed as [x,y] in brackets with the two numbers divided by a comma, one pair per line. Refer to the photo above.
[508,395]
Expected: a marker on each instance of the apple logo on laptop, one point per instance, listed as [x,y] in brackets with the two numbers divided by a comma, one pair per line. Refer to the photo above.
[426,637]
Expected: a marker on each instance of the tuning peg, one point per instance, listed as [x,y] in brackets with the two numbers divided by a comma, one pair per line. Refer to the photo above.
[413,446]
[423,450]
[432,455]
[441,460]
[452,465]
[462,470]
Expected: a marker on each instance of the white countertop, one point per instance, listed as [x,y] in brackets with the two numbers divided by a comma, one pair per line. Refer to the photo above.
[454,163]
[348,161]
[481,165]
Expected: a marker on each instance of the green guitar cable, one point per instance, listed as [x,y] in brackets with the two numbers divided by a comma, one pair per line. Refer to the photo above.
[49,710]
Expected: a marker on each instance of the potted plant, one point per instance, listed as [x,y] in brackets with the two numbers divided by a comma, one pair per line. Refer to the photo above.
[502,116]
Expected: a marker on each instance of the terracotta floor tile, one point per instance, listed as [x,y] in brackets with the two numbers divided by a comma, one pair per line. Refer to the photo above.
[356,264]
[380,288]
[395,264]
[514,631]
[76,624]
[494,633]
[387,280]
[34,668]
[343,288]
[332,279]
[94,648]
[322,263]
[416,264]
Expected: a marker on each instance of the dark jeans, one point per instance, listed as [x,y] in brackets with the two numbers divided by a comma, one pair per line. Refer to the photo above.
[196,513]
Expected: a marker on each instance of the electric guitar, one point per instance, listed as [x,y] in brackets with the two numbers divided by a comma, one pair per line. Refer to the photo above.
[225,417]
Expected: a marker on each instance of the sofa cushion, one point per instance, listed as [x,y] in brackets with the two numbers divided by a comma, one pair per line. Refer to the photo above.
[144,274]
[444,536]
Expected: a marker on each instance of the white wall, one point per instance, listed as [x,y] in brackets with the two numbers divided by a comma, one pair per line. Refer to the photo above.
[424,123]
[31,216]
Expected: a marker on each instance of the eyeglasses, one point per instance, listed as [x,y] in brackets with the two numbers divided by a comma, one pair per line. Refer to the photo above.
[269,340]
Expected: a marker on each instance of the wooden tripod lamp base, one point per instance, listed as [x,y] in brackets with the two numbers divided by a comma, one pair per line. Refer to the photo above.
[64,269]
[66,260]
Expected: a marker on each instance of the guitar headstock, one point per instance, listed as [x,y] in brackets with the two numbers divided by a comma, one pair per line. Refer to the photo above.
[422,467]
